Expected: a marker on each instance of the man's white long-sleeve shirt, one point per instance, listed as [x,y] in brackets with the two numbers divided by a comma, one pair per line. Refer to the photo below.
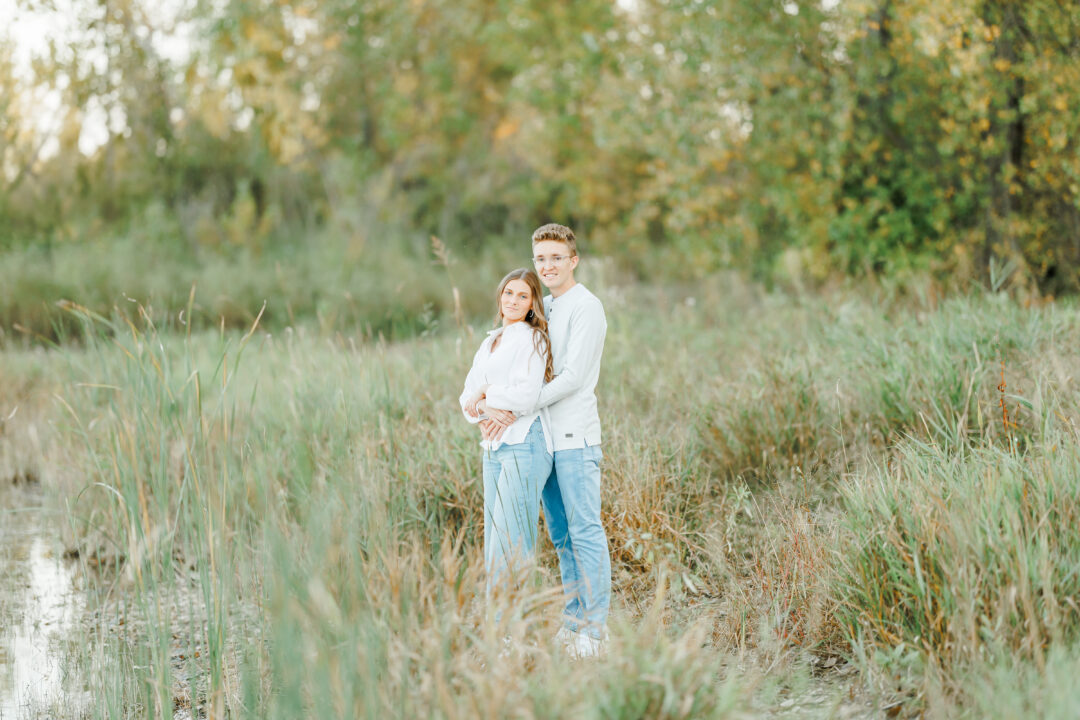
[577,326]
[514,373]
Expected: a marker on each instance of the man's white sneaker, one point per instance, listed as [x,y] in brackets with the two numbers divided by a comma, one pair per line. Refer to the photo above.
[586,646]
[507,647]
[565,637]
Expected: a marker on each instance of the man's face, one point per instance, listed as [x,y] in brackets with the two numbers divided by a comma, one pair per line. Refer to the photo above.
[554,264]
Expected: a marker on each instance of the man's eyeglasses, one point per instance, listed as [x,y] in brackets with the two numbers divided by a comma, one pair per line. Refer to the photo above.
[540,260]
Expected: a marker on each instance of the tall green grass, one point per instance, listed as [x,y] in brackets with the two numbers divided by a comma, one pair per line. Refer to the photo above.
[391,287]
[291,520]
[1008,686]
[851,380]
[297,519]
[958,555]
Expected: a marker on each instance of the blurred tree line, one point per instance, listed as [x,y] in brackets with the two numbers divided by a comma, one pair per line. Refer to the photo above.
[806,139]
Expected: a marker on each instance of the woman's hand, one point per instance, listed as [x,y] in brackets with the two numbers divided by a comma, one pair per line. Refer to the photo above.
[471,405]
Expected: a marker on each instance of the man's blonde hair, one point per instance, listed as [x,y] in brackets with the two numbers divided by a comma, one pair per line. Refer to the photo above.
[554,231]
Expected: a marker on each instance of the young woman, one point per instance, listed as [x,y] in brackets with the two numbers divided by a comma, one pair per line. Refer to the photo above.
[511,366]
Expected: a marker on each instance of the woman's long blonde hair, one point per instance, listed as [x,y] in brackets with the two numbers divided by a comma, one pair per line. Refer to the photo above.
[535,317]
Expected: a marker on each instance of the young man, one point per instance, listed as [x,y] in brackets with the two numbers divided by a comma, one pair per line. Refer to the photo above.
[571,496]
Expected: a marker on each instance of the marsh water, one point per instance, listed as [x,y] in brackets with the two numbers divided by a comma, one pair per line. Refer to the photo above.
[39,604]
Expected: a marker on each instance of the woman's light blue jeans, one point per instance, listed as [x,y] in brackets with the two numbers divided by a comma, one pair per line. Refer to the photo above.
[514,476]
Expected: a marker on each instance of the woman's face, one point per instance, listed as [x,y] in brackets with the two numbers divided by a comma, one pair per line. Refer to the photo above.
[515,301]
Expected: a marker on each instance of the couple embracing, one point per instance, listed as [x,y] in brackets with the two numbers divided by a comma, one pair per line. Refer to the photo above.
[531,392]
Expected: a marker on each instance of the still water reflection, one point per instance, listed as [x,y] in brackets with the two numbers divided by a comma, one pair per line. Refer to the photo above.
[38,606]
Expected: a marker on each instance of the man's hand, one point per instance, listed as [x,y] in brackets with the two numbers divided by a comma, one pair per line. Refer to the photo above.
[491,430]
[505,418]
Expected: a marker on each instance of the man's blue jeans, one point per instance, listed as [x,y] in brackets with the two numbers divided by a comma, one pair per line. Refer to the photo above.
[572,509]
[513,478]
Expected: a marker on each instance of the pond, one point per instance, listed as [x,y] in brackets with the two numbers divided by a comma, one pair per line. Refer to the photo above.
[40,603]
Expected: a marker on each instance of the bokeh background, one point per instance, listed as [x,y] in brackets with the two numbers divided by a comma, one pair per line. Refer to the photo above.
[305,152]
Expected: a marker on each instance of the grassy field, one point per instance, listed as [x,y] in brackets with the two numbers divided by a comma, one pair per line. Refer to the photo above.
[327,281]
[287,524]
